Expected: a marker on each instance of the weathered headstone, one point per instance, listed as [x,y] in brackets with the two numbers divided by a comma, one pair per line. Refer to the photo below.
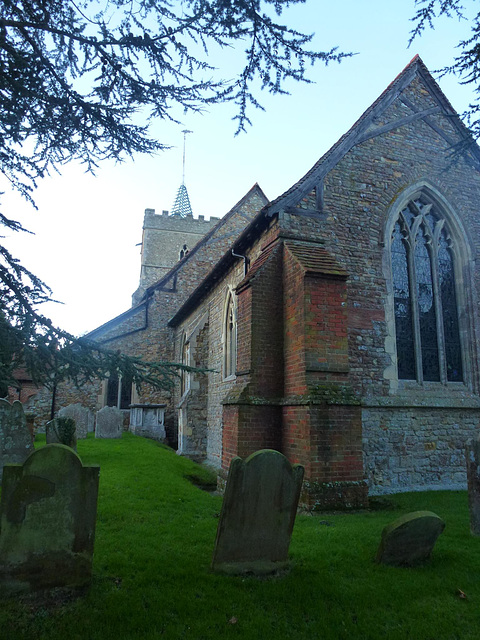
[16,442]
[410,539]
[48,513]
[473,480]
[80,414]
[62,431]
[258,514]
[109,423]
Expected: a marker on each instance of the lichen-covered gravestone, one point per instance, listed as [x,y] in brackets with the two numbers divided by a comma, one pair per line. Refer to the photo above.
[62,431]
[109,423]
[15,438]
[48,513]
[473,479]
[258,514]
[409,540]
[80,414]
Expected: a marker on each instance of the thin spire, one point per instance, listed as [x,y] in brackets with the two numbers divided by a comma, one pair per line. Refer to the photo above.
[182,207]
[185,131]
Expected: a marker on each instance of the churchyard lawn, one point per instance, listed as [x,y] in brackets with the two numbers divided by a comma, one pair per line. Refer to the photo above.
[151,576]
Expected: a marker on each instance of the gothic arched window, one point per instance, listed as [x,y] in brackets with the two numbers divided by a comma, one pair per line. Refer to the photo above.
[425,299]
[119,391]
[230,338]
[185,375]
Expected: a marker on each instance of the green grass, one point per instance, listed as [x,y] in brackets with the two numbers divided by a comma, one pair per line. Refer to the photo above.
[151,579]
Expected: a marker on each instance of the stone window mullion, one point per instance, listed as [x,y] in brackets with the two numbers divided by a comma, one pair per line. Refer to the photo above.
[414,304]
[438,309]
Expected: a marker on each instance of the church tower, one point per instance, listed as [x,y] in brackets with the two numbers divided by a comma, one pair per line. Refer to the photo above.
[169,236]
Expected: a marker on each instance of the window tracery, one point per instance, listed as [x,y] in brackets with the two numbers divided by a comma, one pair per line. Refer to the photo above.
[425,300]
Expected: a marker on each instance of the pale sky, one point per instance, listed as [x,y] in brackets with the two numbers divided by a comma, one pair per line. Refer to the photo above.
[87,228]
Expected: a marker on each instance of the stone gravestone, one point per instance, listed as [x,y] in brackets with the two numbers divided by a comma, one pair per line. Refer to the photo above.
[79,413]
[109,423]
[258,514]
[473,479]
[16,442]
[409,540]
[62,431]
[48,513]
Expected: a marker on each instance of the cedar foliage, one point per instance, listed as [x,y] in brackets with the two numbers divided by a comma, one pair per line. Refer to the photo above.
[82,80]
[466,65]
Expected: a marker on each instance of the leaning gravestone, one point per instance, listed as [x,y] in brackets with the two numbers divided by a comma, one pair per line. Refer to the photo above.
[62,431]
[109,423]
[48,512]
[258,514]
[15,438]
[80,414]
[473,480]
[409,540]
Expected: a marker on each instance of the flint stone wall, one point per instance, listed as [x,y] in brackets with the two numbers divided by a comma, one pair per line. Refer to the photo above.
[414,448]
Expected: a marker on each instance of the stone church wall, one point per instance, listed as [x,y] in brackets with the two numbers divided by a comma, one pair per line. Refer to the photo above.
[419,440]
[143,330]
[416,448]
[211,313]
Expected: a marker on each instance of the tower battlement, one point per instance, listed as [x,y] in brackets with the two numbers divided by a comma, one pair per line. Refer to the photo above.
[166,239]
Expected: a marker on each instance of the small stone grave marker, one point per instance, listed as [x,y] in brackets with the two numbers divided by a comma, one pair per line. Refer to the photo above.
[62,431]
[80,414]
[258,514]
[473,480]
[410,539]
[47,521]
[16,442]
[109,423]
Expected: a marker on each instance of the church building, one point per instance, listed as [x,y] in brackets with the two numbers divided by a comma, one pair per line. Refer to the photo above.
[339,322]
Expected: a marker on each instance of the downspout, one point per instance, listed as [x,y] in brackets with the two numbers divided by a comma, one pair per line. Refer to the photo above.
[246,261]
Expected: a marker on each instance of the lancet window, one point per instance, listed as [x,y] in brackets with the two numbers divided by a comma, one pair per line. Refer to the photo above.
[119,392]
[185,375]
[230,338]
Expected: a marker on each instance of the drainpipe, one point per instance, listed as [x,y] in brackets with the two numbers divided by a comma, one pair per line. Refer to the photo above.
[246,261]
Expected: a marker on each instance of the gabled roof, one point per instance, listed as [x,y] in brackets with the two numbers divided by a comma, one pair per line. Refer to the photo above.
[180,265]
[358,132]
[141,305]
